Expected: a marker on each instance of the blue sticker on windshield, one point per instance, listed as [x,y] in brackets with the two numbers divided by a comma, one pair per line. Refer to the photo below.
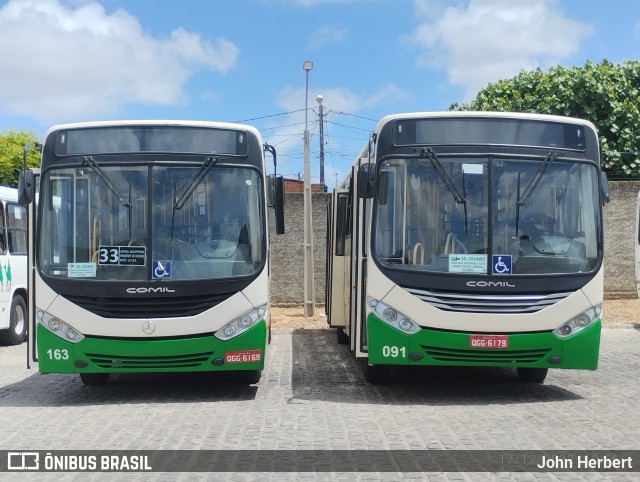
[161,269]
[501,264]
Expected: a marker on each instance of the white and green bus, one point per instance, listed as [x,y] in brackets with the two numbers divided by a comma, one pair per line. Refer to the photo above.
[151,250]
[13,268]
[470,239]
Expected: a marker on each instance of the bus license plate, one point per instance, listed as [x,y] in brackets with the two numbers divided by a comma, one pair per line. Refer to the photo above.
[243,356]
[489,341]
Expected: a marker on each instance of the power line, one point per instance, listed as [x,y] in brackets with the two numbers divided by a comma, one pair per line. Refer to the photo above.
[349,127]
[338,159]
[280,127]
[354,115]
[326,115]
[272,115]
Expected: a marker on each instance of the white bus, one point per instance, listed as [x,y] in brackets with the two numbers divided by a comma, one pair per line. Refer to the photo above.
[470,239]
[13,268]
[151,251]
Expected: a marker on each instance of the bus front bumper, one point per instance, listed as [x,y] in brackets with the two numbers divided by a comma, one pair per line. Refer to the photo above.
[194,354]
[388,346]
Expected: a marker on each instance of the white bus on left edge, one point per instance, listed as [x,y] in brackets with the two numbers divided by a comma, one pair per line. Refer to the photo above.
[13,268]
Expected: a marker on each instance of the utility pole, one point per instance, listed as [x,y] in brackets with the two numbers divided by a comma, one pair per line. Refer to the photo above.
[309,291]
[319,100]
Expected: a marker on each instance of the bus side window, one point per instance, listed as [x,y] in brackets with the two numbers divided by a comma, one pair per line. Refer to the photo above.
[17,228]
[342,220]
[3,231]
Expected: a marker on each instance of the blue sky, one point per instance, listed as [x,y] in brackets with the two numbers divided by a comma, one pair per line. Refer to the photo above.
[76,60]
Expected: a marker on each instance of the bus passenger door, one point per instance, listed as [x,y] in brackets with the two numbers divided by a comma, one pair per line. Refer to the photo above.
[360,212]
[32,209]
[337,307]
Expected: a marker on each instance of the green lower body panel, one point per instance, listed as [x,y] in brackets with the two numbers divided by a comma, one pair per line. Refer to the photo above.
[194,354]
[388,346]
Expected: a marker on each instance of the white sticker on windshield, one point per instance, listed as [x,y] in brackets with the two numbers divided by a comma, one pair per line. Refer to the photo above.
[467,263]
[81,270]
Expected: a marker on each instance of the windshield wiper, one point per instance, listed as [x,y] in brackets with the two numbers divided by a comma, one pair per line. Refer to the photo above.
[206,166]
[528,191]
[89,161]
[437,165]
[208,163]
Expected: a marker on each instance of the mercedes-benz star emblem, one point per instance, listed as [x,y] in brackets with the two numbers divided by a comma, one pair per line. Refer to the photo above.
[148,327]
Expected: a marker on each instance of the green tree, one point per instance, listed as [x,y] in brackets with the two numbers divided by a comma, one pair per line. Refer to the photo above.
[607,94]
[11,146]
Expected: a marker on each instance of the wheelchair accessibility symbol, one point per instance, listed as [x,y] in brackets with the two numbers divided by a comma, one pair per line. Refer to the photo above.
[160,269]
[501,264]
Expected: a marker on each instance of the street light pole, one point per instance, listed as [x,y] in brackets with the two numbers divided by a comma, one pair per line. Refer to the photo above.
[319,100]
[309,292]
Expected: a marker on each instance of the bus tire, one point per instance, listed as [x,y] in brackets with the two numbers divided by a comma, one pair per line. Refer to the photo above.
[251,376]
[94,378]
[15,334]
[535,375]
[375,373]
[343,338]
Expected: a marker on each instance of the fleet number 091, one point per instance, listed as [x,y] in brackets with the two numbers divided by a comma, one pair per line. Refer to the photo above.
[394,351]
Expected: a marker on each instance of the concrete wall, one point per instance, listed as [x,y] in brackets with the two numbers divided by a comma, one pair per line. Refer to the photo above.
[287,255]
[619,227]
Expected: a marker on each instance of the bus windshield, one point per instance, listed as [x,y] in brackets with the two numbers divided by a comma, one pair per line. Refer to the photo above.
[420,225]
[125,224]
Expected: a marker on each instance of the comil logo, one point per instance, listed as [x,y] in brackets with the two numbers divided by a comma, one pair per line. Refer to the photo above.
[23,461]
[490,284]
[144,290]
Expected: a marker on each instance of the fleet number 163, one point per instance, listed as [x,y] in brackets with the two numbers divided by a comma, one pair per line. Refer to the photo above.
[57,354]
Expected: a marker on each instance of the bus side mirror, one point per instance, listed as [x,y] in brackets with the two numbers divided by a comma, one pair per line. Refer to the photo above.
[275,199]
[604,187]
[366,180]
[26,186]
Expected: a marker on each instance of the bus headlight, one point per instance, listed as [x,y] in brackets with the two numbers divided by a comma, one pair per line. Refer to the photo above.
[58,327]
[241,324]
[579,322]
[393,317]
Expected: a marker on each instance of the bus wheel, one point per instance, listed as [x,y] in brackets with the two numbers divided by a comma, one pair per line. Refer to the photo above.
[536,375]
[343,338]
[15,334]
[94,378]
[375,373]
[251,376]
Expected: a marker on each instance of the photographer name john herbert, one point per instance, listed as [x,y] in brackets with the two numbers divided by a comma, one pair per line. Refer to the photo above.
[582,462]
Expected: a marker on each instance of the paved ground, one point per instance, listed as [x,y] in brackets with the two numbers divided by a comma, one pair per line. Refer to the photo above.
[312,396]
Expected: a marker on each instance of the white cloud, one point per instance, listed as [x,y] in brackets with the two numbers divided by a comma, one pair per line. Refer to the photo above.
[326,35]
[63,62]
[484,41]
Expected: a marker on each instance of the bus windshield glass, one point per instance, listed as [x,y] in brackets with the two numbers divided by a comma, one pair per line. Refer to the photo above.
[126,224]
[419,224]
